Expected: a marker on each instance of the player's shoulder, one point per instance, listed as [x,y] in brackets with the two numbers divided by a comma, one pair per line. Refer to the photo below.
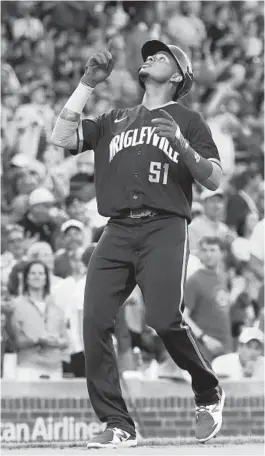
[179,107]
[119,114]
[181,111]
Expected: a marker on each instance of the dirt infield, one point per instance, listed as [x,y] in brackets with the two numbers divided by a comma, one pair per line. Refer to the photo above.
[242,447]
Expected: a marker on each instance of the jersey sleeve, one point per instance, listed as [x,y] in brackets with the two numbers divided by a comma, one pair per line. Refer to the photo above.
[88,133]
[200,139]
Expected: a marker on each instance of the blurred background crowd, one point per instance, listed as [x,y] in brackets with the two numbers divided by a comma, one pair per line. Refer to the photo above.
[49,219]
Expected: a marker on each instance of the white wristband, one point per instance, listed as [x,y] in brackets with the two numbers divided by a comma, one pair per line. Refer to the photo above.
[79,98]
[178,132]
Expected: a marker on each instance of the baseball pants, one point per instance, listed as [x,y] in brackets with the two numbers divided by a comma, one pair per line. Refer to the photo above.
[153,253]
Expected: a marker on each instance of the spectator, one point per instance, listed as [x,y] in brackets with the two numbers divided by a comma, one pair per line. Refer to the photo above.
[240,247]
[209,223]
[243,200]
[27,25]
[77,209]
[41,251]
[69,296]
[207,302]
[38,327]
[257,250]
[7,342]
[42,218]
[131,332]
[73,237]
[247,362]
[82,183]
[15,250]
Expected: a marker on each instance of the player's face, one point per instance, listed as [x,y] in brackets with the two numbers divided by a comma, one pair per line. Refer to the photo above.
[160,67]
[210,255]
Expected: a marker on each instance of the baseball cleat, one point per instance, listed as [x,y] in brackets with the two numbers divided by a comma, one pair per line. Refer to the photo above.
[113,438]
[209,419]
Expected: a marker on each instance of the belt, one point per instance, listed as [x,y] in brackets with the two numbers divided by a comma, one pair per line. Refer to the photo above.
[141,213]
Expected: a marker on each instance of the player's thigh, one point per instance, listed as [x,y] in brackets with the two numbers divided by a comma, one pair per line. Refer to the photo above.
[110,277]
[163,272]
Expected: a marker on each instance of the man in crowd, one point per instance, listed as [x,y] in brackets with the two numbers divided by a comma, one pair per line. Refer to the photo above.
[15,250]
[42,220]
[247,362]
[209,223]
[76,208]
[243,200]
[73,237]
[207,302]
[69,296]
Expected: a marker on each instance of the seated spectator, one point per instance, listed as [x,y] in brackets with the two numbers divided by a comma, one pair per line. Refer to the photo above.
[38,327]
[41,251]
[7,342]
[15,249]
[131,332]
[240,247]
[76,208]
[209,223]
[69,296]
[244,309]
[73,237]
[207,302]
[243,200]
[257,250]
[82,183]
[42,218]
[247,362]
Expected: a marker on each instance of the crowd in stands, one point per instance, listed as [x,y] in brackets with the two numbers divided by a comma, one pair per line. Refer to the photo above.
[49,220]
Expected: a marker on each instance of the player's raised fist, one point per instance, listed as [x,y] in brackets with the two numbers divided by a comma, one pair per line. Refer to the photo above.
[98,68]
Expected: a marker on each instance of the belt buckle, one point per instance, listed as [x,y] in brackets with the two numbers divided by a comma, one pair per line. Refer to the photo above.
[136,216]
[141,213]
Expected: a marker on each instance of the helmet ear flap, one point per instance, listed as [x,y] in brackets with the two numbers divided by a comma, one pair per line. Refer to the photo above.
[176,77]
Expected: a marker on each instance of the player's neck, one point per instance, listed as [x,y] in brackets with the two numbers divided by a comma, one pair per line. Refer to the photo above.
[154,98]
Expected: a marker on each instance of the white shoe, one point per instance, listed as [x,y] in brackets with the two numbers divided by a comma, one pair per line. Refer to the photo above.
[113,438]
[209,419]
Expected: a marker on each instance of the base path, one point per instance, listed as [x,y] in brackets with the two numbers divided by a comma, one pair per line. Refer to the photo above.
[154,447]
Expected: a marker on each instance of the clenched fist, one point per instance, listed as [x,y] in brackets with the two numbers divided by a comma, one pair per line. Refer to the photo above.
[98,68]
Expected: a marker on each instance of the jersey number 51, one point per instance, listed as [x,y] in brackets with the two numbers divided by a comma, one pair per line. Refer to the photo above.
[158,173]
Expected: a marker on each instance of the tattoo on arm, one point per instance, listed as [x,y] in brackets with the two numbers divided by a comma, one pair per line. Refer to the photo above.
[67,114]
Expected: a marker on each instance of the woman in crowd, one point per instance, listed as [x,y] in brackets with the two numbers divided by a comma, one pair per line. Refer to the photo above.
[38,325]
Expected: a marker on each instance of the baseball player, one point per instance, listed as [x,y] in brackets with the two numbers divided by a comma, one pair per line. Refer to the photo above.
[146,159]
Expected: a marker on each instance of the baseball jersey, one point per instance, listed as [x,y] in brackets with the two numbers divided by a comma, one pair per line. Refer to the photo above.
[136,168]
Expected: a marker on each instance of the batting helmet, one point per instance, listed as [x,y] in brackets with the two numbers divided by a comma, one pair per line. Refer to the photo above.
[153,46]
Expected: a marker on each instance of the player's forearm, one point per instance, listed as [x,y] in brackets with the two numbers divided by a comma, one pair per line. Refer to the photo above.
[206,172]
[64,132]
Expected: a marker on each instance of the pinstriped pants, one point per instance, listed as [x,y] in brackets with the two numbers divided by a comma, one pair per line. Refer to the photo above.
[153,253]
